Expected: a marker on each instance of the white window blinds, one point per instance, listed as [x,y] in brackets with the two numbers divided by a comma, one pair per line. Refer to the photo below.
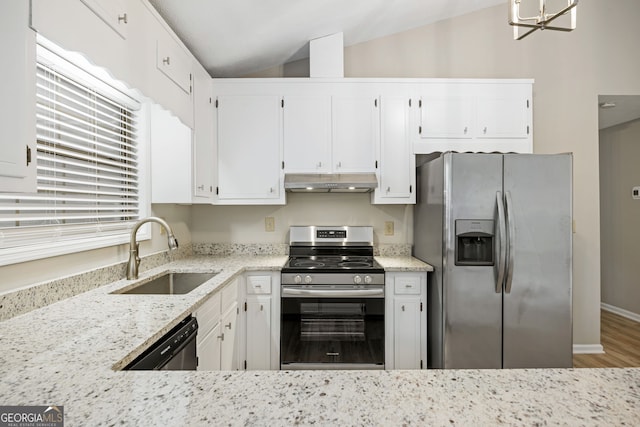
[87,162]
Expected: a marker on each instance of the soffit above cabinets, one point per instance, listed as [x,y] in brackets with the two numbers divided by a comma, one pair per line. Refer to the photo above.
[232,39]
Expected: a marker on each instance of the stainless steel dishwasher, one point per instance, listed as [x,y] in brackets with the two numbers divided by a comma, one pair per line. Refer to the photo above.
[176,350]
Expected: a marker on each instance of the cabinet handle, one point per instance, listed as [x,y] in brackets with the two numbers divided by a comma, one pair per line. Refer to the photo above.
[261,307]
[166,60]
[403,308]
[228,325]
[484,130]
[388,189]
[270,189]
[319,165]
[220,337]
[201,187]
[465,130]
[339,165]
[122,19]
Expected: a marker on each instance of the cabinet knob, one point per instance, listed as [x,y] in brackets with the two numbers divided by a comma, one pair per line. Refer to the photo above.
[319,164]
[403,308]
[465,130]
[388,189]
[220,337]
[484,130]
[339,165]
[122,19]
[166,60]
[270,189]
[228,325]
[261,307]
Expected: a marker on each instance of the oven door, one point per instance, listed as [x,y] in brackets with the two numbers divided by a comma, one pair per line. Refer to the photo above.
[332,327]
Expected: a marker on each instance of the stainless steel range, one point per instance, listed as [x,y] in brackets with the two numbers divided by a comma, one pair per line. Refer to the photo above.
[332,300]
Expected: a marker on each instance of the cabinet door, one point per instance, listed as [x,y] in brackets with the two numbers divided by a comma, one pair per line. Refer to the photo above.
[406,333]
[17,99]
[204,153]
[171,179]
[396,165]
[354,133]
[228,326]
[446,116]
[259,332]
[503,111]
[307,134]
[249,143]
[209,350]
[112,12]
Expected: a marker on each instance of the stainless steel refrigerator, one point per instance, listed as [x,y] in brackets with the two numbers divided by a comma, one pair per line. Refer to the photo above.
[498,230]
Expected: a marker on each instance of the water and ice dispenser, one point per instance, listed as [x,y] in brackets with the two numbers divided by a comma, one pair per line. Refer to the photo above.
[474,242]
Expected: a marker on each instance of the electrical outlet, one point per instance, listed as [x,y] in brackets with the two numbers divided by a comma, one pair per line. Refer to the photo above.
[388,228]
[269,224]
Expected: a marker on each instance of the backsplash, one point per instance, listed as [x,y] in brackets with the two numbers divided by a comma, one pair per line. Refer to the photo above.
[41,294]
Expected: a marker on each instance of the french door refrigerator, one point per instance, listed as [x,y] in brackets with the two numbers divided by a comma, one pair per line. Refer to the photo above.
[498,230]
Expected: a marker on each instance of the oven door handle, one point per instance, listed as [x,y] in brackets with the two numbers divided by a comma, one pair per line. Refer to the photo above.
[289,291]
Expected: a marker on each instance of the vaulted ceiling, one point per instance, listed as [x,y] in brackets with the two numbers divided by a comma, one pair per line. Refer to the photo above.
[234,38]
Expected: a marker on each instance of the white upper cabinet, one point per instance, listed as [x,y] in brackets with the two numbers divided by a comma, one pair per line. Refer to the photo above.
[249,150]
[396,164]
[17,99]
[472,116]
[113,12]
[307,134]
[355,133]
[204,152]
[324,133]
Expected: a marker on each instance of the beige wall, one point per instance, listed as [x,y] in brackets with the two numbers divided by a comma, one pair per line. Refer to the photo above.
[245,224]
[620,215]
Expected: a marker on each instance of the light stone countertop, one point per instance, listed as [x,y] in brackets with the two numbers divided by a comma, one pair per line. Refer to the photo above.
[63,354]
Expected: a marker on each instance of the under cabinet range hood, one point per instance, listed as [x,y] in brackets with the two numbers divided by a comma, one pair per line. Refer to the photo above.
[335,183]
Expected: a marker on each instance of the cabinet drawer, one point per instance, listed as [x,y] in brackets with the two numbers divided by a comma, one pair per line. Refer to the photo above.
[208,314]
[229,295]
[258,285]
[407,285]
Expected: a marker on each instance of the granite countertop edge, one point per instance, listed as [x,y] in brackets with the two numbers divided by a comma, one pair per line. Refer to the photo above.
[64,354]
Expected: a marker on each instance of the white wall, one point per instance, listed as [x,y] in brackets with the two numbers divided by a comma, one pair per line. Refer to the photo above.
[245,224]
[620,215]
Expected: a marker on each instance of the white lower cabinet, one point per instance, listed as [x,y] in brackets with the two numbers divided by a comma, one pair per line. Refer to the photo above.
[262,321]
[405,320]
[217,339]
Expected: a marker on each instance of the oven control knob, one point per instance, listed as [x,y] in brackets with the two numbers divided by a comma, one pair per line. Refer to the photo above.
[368,280]
[297,279]
[307,279]
[357,280]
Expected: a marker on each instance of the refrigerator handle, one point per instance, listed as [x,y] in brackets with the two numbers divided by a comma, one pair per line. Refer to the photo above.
[511,233]
[502,244]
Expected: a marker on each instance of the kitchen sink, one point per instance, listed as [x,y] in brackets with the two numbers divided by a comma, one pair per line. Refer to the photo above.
[170,284]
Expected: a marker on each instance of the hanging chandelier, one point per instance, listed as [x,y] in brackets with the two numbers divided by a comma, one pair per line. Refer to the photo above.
[562,20]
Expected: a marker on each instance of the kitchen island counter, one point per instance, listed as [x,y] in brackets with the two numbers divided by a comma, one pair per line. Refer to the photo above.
[66,353]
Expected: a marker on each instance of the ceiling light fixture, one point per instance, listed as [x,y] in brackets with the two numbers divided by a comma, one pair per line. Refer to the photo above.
[542,20]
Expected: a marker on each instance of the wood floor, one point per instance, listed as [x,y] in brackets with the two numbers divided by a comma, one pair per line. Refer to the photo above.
[621,341]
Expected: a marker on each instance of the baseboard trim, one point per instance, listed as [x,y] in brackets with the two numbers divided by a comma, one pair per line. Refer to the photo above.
[588,349]
[621,312]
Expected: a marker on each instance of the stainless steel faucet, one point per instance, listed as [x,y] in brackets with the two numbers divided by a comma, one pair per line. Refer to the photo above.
[134,259]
